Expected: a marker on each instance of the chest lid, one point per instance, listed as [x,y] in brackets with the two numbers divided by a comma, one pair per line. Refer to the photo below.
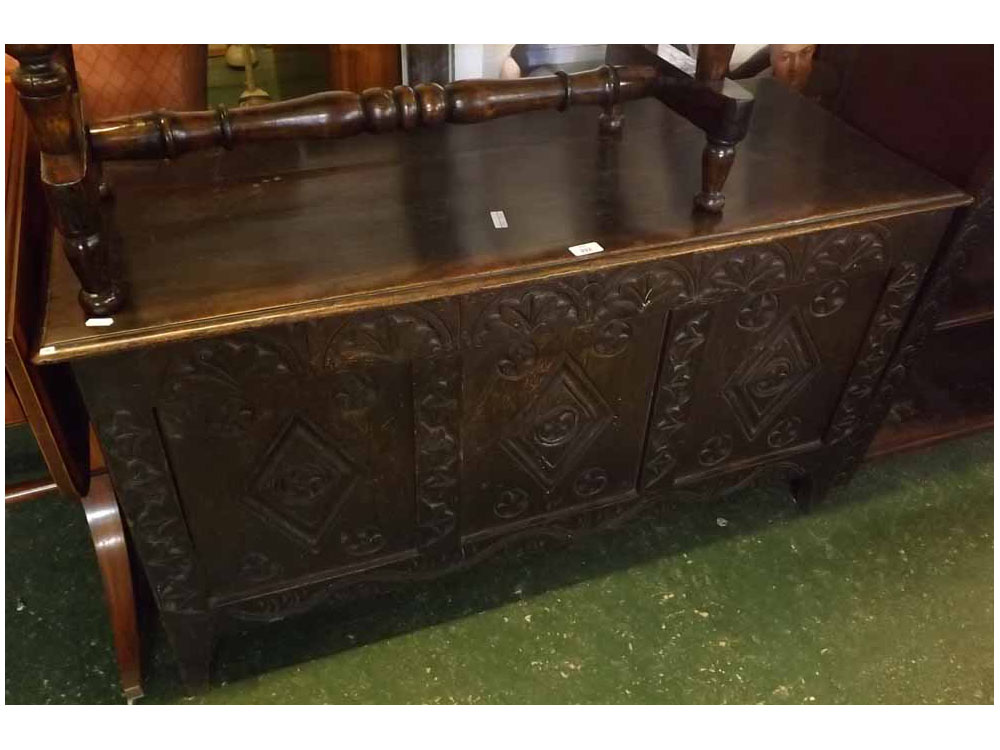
[221,241]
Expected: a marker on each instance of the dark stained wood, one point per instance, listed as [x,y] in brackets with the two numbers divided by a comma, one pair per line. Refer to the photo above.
[346,378]
[716,161]
[713,61]
[948,390]
[108,535]
[72,183]
[407,217]
[75,183]
[340,114]
[345,453]
[721,108]
[970,298]
[950,393]
[934,104]
[717,105]
[717,158]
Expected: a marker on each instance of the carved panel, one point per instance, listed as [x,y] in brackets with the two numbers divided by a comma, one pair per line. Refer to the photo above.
[208,388]
[715,450]
[673,395]
[407,333]
[772,374]
[785,432]
[546,407]
[563,419]
[851,250]
[749,270]
[145,491]
[362,542]
[437,412]
[511,502]
[761,386]
[345,442]
[589,312]
[338,456]
[596,307]
[874,356]
[868,398]
[829,299]
[590,482]
[302,483]
[758,312]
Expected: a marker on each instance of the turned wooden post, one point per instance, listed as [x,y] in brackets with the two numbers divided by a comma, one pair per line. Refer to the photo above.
[718,155]
[72,184]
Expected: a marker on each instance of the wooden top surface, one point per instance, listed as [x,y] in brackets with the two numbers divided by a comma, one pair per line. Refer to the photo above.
[219,241]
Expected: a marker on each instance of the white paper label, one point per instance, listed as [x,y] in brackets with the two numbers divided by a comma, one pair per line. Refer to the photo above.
[499,220]
[587,248]
[99,322]
[47,350]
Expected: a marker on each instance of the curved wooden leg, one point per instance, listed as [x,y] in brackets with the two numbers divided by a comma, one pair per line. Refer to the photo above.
[108,536]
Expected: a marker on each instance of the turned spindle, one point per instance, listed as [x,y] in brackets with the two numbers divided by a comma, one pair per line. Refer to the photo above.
[72,184]
[716,160]
[342,114]
[718,155]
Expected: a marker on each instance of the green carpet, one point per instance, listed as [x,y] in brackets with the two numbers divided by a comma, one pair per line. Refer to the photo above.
[884,595]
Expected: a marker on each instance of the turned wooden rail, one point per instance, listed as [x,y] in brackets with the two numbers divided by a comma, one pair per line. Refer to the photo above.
[341,114]
[72,152]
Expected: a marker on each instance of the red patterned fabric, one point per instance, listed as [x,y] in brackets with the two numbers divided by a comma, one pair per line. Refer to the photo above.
[120,79]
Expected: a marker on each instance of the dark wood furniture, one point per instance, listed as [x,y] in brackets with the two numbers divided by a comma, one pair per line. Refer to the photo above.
[72,151]
[335,375]
[934,105]
[47,399]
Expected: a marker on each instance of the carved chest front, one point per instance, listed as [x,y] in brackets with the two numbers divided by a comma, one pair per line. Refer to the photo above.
[270,469]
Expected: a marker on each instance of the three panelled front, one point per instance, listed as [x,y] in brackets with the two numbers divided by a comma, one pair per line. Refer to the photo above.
[359,441]
[280,453]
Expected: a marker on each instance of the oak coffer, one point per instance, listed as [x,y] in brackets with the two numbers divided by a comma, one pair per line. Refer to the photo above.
[340,369]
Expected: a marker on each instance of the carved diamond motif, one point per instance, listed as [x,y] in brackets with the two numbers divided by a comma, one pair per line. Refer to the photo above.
[552,432]
[773,373]
[302,483]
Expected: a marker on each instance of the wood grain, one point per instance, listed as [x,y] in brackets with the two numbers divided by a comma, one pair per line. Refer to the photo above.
[347,378]
[407,217]
[108,536]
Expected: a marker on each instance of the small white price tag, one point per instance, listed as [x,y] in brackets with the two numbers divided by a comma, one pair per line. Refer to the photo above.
[587,248]
[47,350]
[499,220]
[99,322]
